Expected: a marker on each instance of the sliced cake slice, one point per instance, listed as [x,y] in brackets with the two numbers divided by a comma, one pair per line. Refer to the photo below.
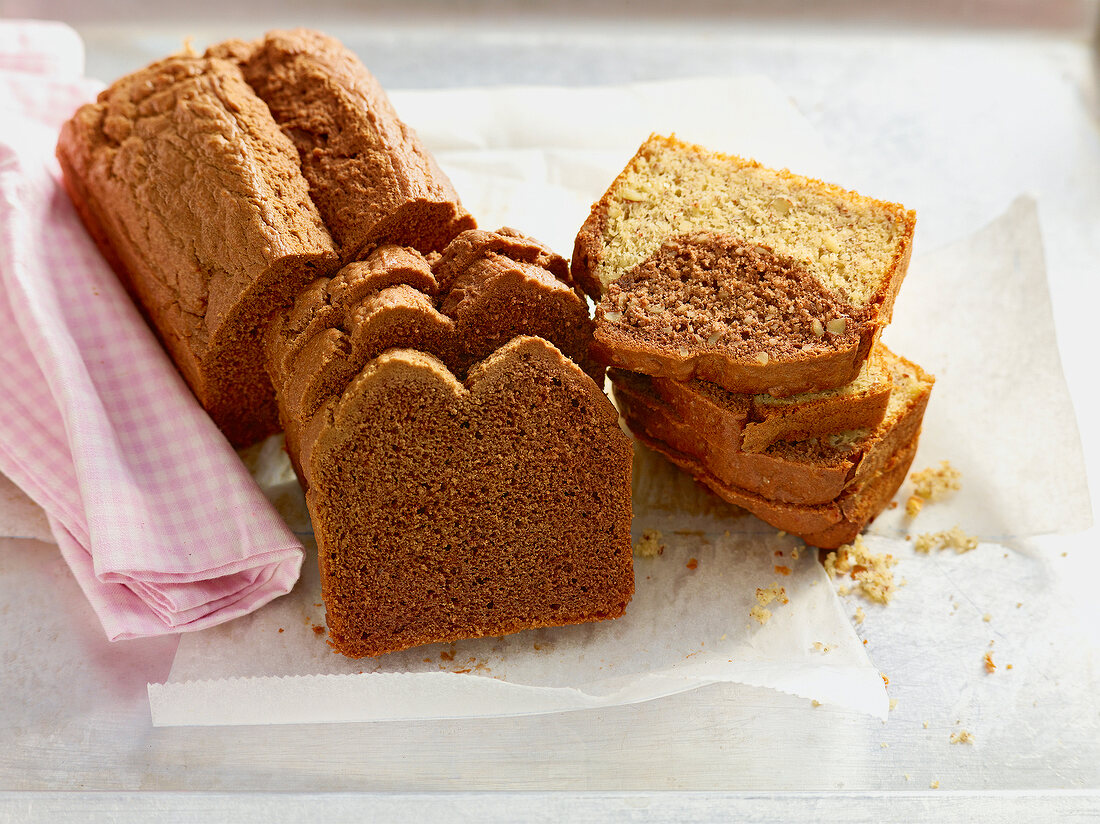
[446,509]
[807,472]
[826,525]
[762,281]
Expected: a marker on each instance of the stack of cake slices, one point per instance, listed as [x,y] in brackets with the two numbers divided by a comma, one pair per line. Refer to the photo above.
[741,308]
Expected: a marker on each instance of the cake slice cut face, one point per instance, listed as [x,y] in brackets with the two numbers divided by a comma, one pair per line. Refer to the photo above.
[712,266]
[447,510]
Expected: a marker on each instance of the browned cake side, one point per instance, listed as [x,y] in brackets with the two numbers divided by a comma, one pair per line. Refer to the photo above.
[445,510]
[368,172]
[196,198]
[826,525]
[806,472]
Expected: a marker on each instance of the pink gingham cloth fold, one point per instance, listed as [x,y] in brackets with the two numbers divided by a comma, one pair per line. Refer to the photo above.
[160,522]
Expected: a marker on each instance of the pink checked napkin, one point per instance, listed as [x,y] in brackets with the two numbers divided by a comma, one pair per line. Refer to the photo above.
[161,524]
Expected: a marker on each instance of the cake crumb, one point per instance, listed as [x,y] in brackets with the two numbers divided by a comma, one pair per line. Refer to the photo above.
[782,570]
[871,572]
[935,785]
[317,628]
[764,596]
[908,777]
[821,647]
[782,534]
[926,725]
[953,538]
[650,545]
[936,483]
[884,745]
[885,678]
[893,704]
[859,615]
[914,505]
[815,702]
[795,553]
[1008,666]
[280,629]
[692,564]
[962,737]
[987,617]
[773,593]
[989,665]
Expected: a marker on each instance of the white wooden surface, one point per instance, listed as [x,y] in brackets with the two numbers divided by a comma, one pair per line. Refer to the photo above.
[954,125]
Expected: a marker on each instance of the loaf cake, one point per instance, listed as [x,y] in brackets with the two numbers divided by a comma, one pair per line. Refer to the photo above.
[448,509]
[220,186]
[814,470]
[711,266]
[302,257]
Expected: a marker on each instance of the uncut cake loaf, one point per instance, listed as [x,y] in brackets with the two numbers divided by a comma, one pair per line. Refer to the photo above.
[714,267]
[219,186]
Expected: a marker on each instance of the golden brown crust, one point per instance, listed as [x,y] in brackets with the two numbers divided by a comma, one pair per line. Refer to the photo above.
[368,172]
[426,491]
[162,156]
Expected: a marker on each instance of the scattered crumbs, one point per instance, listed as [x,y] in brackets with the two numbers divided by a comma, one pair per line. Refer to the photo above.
[989,665]
[537,647]
[859,615]
[427,660]
[936,482]
[726,534]
[914,505]
[761,615]
[318,605]
[987,617]
[280,629]
[864,642]
[990,642]
[1008,666]
[723,638]
[871,572]
[650,545]
[782,570]
[795,553]
[693,563]
[962,737]
[843,589]
[885,678]
[1063,554]
[446,656]
[783,534]
[765,596]
[893,704]
[935,785]
[893,505]
[1019,604]
[953,538]
[926,725]
[814,702]
[778,553]
[908,777]
[884,745]
[318,629]
[820,647]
